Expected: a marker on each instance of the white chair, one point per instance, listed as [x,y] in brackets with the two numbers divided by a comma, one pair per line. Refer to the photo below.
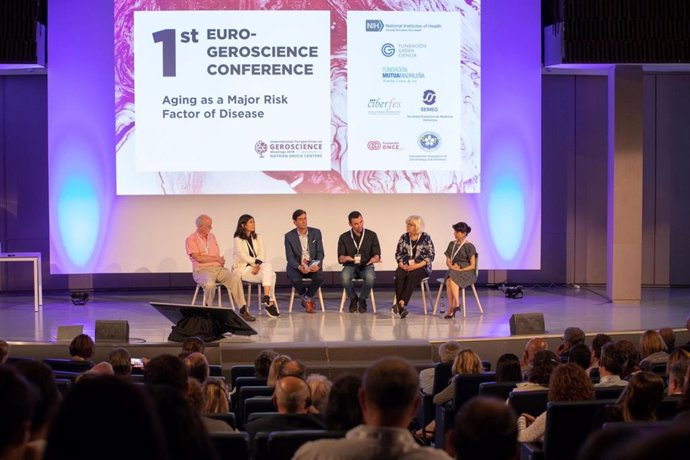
[259,290]
[463,305]
[219,296]
[424,285]
[319,293]
[344,296]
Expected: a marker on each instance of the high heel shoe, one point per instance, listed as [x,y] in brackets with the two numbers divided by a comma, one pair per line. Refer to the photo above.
[451,314]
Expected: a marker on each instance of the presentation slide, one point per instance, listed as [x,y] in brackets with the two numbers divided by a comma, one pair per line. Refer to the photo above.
[329,99]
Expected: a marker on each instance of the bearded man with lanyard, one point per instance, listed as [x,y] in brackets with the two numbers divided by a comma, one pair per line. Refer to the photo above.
[358,251]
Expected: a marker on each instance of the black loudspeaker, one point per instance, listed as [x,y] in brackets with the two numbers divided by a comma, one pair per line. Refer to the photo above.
[112,331]
[527,323]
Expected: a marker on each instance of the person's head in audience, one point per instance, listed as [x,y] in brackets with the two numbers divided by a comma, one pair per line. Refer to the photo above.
[447,351]
[508,368]
[640,398]
[262,363]
[485,428]
[679,354]
[100,369]
[195,395]
[320,387]
[276,364]
[612,360]
[632,357]
[389,395]
[571,337]
[197,366]
[599,341]
[166,370]
[185,434]
[650,343]
[293,368]
[193,345]
[467,362]
[17,400]
[82,348]
[291,395]
[676,377]
[581,355]
[669,338]
[342,411]
[99,410]
[569,382]
[4,351]
[215,397]
[121,361]
[41,376]
[544,363]
[533,345]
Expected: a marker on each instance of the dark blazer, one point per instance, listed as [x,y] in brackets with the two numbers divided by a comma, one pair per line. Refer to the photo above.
[293,248]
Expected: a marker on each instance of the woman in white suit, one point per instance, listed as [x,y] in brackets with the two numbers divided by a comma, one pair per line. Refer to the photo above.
[250,261]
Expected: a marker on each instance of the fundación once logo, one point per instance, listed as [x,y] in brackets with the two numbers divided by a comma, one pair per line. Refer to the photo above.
[261,148]
[429,97]
[373,25]
[374,145]
[429,141]
[388,49]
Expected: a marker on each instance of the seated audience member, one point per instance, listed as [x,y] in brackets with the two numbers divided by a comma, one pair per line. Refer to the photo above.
[292,367]
[4,351]
[534,345]
[676,378]
[632,358]
[611,365]
[679,354]
[342,410]
[292,399]
[598,342]
[82,348]
[637,402]
[185,434]
[276,364]
[197,367]
[508,369]
[581,355]
[652,350]
[571,337]
[41,376]
[669,338]
[17,401]
[121,361]
[262,363]
[193,345]
[216,398]
[682,417]
[568,383]
[99,408]
[389,400]
[320,387]
[446,354]
[485,429]
[100,369]
[687,326]
[466,362]
[195,398]
[167,370]
[543,364]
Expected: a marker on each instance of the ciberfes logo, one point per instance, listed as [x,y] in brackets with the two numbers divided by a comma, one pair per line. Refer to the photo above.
[373,25]
[388,49]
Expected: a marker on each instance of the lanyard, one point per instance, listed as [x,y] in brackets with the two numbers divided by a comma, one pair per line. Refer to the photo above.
[205,246]
[455,251]
[361,240]
[412,248]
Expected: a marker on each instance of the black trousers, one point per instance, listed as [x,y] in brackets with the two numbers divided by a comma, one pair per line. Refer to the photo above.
[406,282]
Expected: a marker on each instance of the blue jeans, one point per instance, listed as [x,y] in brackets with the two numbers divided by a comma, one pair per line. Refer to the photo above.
[367,273]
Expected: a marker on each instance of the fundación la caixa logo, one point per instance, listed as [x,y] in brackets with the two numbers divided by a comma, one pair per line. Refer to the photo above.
[373,25]
[429,141]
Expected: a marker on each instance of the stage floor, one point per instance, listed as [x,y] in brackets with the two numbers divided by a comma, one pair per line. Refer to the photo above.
[586,308]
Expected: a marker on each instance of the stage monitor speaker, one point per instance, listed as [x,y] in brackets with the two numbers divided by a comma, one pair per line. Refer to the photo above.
[112,331]
[209,323]
[527,323]
[67,333]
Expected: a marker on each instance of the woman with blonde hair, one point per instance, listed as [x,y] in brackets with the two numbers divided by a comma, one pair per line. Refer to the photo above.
[652,350]
[215,397]
[276,364]
[414,254]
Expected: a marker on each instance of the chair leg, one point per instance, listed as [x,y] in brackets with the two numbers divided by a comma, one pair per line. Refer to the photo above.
[464,304]
[249,295]
[425,287]
[479,304]
[342,301]
[196,293]
[438,298]
[292,300]
[373,301]
[323,307]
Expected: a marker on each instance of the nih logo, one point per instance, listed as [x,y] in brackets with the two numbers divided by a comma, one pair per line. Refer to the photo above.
[374,25]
